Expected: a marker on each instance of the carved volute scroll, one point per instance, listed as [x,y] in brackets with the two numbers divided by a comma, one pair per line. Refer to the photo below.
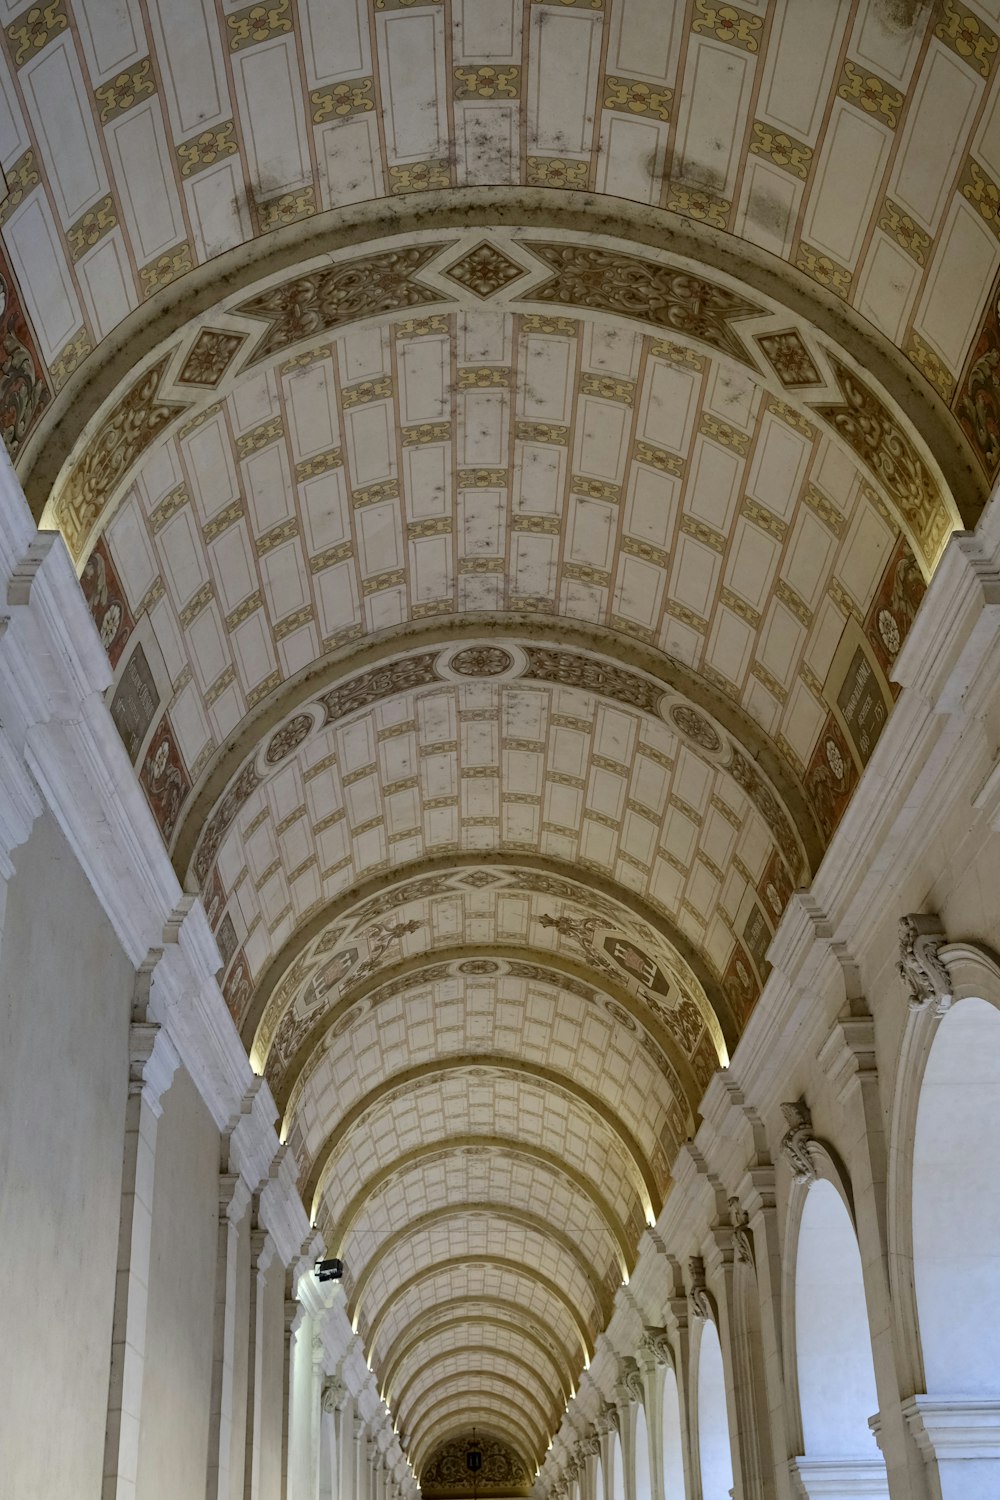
[655,1344]
[742,1235]
[630,1380]
[920,966]
[699,1300]
[798,1141]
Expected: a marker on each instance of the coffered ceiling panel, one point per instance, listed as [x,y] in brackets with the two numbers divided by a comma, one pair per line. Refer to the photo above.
[568,1141]
[483,1280]
[501,607]
[860,142]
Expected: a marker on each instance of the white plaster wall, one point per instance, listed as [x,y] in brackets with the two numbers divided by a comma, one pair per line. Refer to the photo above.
[173,1441]
[65,994]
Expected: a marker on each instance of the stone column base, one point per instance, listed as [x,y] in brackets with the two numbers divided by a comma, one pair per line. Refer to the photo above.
[840,1478]
[959,1437]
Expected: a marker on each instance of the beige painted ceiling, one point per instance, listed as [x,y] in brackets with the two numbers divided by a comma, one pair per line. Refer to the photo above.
[504,447]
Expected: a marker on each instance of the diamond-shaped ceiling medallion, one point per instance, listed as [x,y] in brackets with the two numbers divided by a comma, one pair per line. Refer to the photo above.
[485,270]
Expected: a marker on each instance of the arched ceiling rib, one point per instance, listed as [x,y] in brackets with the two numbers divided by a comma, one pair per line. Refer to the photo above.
[544,1286]
[451,1391]
[516,1327]
[502,580]
[504,1364]
[484,1419]
[532,1173]
[488,1219]
[482,1065]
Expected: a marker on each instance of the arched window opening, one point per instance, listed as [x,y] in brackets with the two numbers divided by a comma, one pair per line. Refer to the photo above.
[832,1339]
[673,1443]
[599,1485]
[713,1423]
[643,1481]
[750,1381]
[956,1204]
[617,1470]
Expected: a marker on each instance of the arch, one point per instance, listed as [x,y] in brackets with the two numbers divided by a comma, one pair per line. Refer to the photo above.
[488,1429]
[467,1395]
[558,964]
[530,1152]
[498,1261]
[643,1485]
[396,1358]
[384,647]
[615,1488]
[552,1417]
[714,1451]
[312,1191]
[516,1316]
[560,210]
[497,1424]
[833,1354]
[750,1382]
[956,1204]
[674,1483]
[516,1216]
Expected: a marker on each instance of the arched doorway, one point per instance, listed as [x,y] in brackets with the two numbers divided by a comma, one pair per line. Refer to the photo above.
[836,1375]
[714,1452]
[956,1236]
[616,1488]
[643,1478]
[673,1441]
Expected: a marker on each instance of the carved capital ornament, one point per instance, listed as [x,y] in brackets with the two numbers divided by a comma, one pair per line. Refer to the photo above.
[920,966]
[798,1141]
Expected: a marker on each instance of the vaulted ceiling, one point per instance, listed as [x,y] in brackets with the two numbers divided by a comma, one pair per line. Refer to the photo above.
[504,447]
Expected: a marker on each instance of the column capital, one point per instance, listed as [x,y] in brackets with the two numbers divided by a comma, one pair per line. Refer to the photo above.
[234,1196]
[153,1061]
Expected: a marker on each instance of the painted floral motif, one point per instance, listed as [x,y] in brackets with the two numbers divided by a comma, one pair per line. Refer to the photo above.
[775,886]
[482,661]
[164,778]
[741,986]
[831,777]
[103,592]
[694,726]
[894,607]
[238,988]
[126,432]
[789,358]
[288,738]
[23,390]
[339,294]
[882,445]
[607,281]
[485,270]
[212,352]
[977,403]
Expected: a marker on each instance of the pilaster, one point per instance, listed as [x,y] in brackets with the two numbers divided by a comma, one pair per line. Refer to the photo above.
[152,1064]
[262,1252]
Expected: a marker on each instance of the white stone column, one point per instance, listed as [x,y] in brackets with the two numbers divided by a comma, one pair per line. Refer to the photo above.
[262,1252]
[294,1317]
[332,1400]
[959,1438]
[152,1064]
[360,1457]
[234,1196]
[653,1359]
[848,1059]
